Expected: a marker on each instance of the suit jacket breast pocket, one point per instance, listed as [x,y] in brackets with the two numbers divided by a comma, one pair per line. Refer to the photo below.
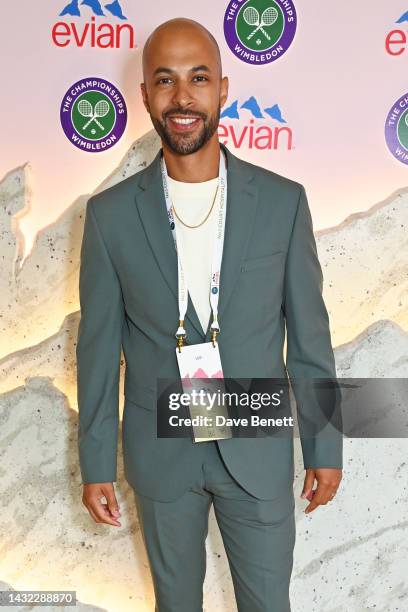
[265,261]
[261,282]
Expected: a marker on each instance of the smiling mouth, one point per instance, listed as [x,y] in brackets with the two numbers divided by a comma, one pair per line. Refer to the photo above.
[184,124]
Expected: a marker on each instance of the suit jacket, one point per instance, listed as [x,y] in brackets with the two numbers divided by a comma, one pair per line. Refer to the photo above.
[271,280]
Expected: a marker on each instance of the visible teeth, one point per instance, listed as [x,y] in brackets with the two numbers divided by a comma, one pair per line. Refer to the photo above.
[185,121]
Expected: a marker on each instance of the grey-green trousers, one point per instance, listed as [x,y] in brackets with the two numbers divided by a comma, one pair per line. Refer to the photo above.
[258,535]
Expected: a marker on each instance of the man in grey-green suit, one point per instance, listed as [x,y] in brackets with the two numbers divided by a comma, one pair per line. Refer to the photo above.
[270,282]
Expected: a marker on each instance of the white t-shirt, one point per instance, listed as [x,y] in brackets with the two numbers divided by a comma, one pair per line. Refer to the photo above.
[192,202]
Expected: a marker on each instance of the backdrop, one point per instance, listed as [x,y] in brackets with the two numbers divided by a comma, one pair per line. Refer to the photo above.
[318,93]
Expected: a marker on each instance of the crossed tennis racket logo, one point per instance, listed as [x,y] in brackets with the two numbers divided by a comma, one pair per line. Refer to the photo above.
[251,17]
[93,113]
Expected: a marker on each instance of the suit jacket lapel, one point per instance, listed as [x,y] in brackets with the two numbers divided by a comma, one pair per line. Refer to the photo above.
[241,208]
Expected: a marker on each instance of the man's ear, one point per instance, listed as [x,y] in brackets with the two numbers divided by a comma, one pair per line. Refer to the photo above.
[144,97]
[224,90]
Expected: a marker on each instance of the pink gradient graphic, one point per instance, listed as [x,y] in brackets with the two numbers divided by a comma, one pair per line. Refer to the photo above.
[200,373]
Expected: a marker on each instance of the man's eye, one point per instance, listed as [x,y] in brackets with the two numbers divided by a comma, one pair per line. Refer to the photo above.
[164,79]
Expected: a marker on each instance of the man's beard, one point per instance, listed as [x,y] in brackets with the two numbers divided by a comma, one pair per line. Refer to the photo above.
[185,144]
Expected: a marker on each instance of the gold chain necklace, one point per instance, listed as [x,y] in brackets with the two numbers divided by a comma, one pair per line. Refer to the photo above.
[208,214]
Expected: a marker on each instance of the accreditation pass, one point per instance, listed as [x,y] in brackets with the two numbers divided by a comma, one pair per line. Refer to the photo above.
[197,362]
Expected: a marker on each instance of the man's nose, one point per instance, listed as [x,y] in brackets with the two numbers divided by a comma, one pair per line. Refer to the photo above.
[182,95]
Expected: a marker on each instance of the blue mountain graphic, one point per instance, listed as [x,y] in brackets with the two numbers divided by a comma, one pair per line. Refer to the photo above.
[113,7]
[231,111]
[275,113]
[252,105]
[403,18]
[95,5]
[71,9]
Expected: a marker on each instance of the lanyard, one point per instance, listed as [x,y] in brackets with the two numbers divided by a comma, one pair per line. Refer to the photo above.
[217,252]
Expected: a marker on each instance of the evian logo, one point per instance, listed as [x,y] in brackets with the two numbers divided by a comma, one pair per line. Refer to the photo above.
[248,125]
[396,39]
[92,24]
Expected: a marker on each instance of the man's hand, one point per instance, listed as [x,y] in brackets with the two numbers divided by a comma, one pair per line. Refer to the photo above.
[328,481]
[101,513]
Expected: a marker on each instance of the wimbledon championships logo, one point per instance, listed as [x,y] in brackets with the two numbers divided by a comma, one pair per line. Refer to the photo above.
[396,129]
[93,114]
[259,31]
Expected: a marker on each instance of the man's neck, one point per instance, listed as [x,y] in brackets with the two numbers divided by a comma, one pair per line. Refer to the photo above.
[197,167]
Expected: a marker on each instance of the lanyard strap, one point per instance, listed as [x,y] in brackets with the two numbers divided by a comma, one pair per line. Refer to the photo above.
[217,252]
